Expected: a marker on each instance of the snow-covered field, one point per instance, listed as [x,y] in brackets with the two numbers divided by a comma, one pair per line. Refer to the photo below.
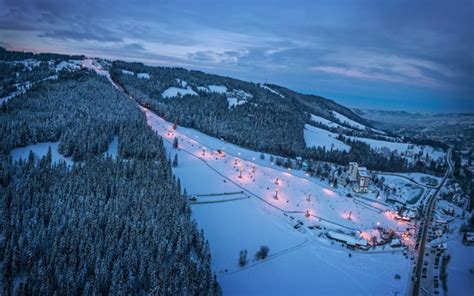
[317,137]
[460,279]
[143,75]
[326,122]
[348,121]
[234,102]
[69,65]
[218,89]
[40,149]
[401,147]
[301,261]
[406,191]
[177,91]
[354,124]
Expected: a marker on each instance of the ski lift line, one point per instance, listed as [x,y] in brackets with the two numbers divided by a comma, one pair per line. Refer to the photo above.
[368,206]
[335,223]
[218,201]
[218,194]
[372,200]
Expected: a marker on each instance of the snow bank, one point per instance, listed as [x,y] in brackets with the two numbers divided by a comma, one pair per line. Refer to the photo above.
[178,92]
[128,72]
[316,137]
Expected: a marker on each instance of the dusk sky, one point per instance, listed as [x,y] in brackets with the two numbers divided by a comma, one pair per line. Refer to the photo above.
[398,55]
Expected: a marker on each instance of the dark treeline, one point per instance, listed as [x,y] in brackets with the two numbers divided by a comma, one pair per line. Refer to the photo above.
[101,226]
[14,76]
[6,55]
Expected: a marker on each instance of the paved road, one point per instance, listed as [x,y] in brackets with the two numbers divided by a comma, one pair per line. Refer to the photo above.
[428,215]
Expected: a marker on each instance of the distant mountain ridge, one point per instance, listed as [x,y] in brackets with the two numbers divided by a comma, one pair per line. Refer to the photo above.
[262,117]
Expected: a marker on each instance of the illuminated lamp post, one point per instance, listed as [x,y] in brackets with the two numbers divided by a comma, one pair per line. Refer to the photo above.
[307,214]
[241,170]
[276,181]
[276,193]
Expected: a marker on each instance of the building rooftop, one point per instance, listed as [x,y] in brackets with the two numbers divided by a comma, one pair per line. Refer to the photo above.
[362,171]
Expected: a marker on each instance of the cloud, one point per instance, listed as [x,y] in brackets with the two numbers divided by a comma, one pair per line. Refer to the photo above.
[78,36]
[226,57]
[134,47]
[360,47]
[375,66]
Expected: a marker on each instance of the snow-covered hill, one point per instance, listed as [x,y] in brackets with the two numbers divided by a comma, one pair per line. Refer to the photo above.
[242,213]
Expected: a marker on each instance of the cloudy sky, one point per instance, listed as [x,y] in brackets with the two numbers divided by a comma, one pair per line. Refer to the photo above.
[402,55]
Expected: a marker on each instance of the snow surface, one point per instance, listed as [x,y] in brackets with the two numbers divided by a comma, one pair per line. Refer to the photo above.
[317,137]
[460,279]
[326,122]
[143,75]
[95,66]
[112,150]
[348,121]
[405,189]
[22,88]
[40,149]
[355,124]
[218,89]
[234,97]
[128,72]
[68,65]
[178,92]
[421,177]
[301,261]
[272,91]
[234,102]
[28,63]
[401,147]
[182,82]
